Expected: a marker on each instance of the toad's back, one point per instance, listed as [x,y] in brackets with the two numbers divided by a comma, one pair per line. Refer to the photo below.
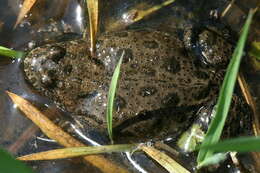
[156,73]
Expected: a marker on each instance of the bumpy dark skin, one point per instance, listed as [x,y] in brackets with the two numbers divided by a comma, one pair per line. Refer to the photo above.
[159,81]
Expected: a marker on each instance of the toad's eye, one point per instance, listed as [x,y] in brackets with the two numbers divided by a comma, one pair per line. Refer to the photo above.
[209,45]
[213,48]
[56,53]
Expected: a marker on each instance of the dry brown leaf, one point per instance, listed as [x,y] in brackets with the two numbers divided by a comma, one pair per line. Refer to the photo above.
[27,5]
[136,14]
[78,151]
[164,160]
[143,13]
[93,22]
[55,132]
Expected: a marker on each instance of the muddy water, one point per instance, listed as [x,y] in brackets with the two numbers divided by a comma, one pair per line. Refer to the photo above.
[13,125]
[18,134]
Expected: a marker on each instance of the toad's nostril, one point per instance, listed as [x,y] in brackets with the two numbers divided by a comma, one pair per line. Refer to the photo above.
[147,91]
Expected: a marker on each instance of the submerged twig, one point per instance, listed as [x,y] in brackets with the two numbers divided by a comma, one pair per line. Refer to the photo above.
[55,132]
[30,131]
[26,135]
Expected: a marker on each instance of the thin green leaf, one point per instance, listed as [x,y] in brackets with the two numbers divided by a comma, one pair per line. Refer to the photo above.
[111,96]
[212,160]
[242,144]
[191,138]
[10,53]
[225,96]
[78,151]
[9,165]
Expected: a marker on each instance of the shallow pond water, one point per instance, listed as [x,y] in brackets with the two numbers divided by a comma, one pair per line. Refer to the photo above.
[18,134]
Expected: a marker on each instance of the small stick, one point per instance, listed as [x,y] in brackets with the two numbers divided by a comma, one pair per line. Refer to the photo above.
[245,90]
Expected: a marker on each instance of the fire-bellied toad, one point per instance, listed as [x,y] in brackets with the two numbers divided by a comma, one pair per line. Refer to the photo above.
[160,86]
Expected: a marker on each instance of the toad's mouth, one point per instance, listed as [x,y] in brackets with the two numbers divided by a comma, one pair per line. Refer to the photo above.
[168,121]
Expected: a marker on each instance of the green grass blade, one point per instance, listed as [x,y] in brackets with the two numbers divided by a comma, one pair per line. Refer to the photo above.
[10,53]
[111,96]
[9,165]
[225,96]
[242,144]
[78,151]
